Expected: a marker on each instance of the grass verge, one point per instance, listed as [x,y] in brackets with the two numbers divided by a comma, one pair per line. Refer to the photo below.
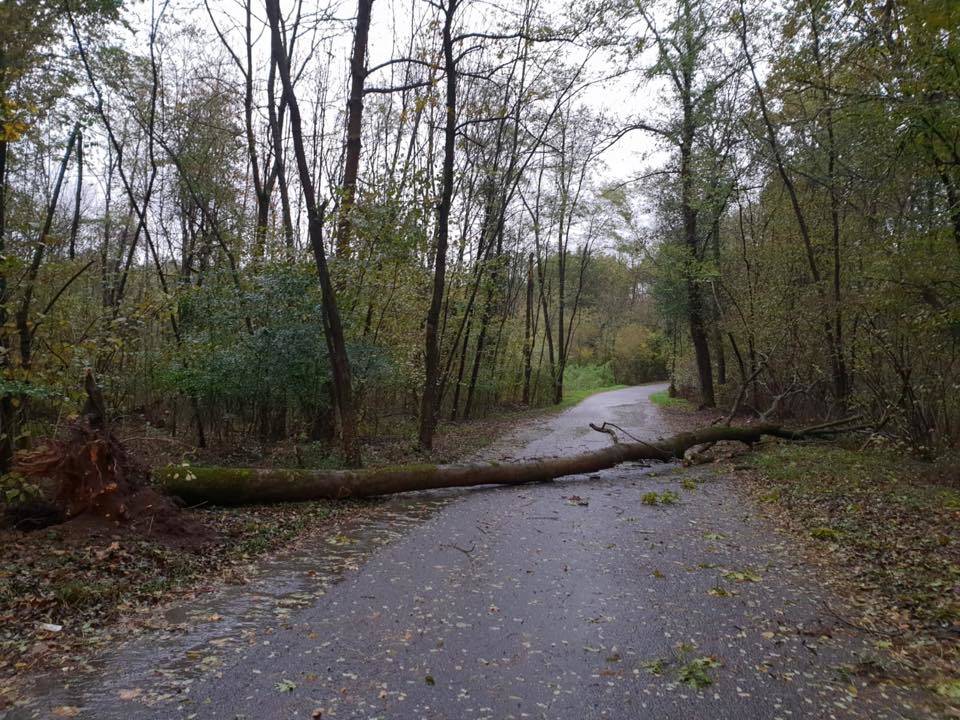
[663,399]
[887,525]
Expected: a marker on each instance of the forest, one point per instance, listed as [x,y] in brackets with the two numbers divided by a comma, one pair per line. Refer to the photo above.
[311,237]
[264,222]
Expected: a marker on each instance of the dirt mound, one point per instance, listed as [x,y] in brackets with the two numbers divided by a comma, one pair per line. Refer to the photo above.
[92,487]
[149,515]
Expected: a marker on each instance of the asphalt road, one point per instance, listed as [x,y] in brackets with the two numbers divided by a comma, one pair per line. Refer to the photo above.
[571,599]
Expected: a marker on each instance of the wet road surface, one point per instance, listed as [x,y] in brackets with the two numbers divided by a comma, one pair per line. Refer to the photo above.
[571,599]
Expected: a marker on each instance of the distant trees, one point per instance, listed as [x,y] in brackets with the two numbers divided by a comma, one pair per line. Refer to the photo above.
[795,229]
[686,42]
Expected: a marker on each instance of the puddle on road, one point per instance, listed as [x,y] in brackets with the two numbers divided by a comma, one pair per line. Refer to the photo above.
[201,635]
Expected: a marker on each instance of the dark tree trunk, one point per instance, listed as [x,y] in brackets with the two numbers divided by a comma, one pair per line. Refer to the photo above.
[22,315]
[75,224]
[721,356]
[428,405]
[461,368]
[7,413]
[485,319]
[834,347]
[333,328]
[695,305]
[528,333]
[837,358]
[276,116]
[351,168]
[701,346]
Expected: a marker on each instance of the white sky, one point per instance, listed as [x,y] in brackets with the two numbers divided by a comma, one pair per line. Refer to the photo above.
[391,19]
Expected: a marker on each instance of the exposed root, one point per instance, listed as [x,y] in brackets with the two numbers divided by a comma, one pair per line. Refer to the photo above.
[89,469]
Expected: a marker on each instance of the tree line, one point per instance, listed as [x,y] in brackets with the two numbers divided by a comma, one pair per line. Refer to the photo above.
[262,219]
[254,228]
[809,245]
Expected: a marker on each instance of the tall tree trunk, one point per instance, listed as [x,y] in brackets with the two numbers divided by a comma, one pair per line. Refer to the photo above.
[487,313]
[428,405]
[7,414]
[833,348]
[838,362]
[695,306]
[718,310]
[528,333]
[276,132]
[351,168]
[22,316]
[561,283]
[333,328]
[261,191]
[78,197]
[461,368]
[721,356]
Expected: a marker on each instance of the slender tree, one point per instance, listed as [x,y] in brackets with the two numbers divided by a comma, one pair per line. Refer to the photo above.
[333,327]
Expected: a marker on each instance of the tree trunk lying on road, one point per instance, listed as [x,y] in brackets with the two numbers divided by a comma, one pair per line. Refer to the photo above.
[241,486]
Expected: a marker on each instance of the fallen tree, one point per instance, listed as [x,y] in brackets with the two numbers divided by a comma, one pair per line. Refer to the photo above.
[242,486]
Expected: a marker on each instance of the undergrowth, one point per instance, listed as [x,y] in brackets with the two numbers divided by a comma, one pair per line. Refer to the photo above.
[582,381]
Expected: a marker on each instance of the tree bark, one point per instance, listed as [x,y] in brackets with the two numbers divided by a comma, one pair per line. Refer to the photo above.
[240,486]
[7,413]
[351,167]
[78,198]
[22,316]
[428,405]
[333,328]
[838,370]
[528,333]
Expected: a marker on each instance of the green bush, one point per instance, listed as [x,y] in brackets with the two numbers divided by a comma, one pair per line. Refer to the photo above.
[638,355]
[579,378]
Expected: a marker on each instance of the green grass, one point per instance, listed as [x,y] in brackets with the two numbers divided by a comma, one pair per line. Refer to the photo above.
[582,381]
[667,497]
[572,398]
[663,399]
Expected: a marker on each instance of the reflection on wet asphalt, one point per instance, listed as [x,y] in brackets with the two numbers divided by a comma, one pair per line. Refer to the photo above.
[570,599]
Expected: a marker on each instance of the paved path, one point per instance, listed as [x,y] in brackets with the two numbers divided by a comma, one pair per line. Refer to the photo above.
[571,599]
